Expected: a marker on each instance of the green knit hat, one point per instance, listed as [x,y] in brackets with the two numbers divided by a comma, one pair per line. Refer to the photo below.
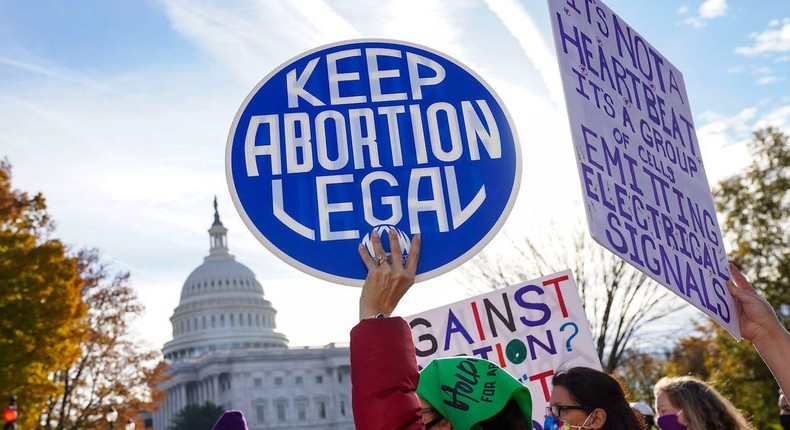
[468,390]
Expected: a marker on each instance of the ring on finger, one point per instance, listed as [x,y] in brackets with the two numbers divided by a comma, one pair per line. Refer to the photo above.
[380,260]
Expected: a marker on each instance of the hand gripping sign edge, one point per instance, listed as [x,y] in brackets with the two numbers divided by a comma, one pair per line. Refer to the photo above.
[484,229]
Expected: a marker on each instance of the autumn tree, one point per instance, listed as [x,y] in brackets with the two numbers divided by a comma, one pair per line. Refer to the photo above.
[692,355]
[756,209]
[112,369]
[618,299]
[197,417]
[42,320]
[640,370]
[64,331]
[755,205]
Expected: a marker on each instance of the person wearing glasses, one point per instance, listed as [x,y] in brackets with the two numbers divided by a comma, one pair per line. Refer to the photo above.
[685,402]
[388,391]
[583,398]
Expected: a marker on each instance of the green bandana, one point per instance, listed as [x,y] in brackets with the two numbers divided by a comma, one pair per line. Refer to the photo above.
[468,390]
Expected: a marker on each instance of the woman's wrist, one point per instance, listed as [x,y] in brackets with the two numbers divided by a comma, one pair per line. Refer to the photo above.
[772,334]
[367,311]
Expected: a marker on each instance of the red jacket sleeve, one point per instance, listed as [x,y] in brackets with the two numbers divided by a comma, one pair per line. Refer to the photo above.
[384,376]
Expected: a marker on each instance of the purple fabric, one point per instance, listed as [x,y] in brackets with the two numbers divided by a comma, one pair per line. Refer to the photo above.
[670,422]
[231,420]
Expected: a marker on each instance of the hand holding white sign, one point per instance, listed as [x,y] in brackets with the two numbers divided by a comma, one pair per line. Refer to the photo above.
[388,278]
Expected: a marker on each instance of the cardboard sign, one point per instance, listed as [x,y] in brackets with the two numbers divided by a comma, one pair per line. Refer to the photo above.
[532,330]
[646,195]
[372,134]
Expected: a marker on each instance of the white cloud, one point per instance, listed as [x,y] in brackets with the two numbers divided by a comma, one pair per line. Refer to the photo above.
[68,77]
[764,75]
[133,171]
[774,40]
[683,10]
[765,80]
[417,21]
[251,37]
[524,30]
[695,22]
[723,139]
[708,10]
[723,143]
[130,163]
[713,9]
[779,118]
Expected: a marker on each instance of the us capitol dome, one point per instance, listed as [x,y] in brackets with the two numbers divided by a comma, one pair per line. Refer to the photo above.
[225,350]
[222,306]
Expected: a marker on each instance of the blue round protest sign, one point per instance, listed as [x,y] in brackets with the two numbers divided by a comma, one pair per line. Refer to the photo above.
[372,134]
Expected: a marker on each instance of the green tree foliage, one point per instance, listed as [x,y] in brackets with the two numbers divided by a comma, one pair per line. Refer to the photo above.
[691,354]
[64,330]
[639,371]
[755,206]
[112,369]
[743,378]
[42,315]
[756,209]
[194,417]
[733,367]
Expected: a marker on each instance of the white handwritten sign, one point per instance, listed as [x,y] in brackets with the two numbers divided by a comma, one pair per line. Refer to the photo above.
[646,194]
[530,329]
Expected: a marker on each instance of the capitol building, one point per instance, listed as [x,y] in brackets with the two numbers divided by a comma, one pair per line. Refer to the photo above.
[225,350]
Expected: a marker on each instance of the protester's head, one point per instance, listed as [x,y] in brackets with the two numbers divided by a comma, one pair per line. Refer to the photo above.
[469,393]
[685,402]
[644,412]
[231,420]
[590,399]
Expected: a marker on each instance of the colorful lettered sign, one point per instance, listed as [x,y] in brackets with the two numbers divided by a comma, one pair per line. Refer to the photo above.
[646,195]
[371,134]
[532,330]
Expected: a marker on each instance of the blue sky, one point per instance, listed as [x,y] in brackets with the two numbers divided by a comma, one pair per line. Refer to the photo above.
[119,112]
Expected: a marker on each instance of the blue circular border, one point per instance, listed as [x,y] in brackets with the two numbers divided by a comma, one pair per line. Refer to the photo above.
[322,274]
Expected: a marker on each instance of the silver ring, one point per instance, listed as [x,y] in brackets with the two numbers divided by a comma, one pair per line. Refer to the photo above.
[380,260]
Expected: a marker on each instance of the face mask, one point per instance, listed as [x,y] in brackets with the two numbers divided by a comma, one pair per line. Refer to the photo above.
[552,423]
[670,422]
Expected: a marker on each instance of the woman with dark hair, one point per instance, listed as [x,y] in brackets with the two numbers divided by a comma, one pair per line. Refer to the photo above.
[583,398]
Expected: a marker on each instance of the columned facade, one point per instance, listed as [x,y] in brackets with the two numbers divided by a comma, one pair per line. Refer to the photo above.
[225,350]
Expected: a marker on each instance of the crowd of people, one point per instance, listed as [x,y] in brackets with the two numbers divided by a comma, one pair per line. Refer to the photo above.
[389,392]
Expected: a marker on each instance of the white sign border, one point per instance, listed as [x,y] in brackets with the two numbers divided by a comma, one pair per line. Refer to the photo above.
[359,282]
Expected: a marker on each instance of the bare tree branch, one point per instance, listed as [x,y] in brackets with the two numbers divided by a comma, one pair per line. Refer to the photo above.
[619,300]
